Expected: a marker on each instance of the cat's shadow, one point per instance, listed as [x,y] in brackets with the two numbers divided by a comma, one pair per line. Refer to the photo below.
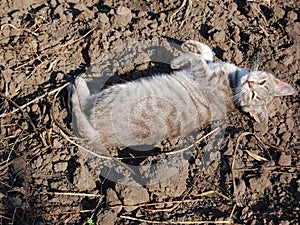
[153,68]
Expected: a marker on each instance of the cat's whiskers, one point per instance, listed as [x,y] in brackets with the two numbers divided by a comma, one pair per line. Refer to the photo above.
[239,92]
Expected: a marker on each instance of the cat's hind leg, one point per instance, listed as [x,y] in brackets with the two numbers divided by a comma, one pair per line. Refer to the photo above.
[199,48]
[83,92]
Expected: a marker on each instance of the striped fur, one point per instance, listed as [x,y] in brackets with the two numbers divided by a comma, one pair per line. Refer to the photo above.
[148,111]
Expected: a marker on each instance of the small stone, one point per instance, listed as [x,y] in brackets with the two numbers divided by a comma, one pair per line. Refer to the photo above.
[132,194]
[112,198]
[232,7]
[285,178]
[285,160]
[16,201]
[121,20]
[153,25]
[123,11]
[108,217]
[5,32]
[81,7]
[292,16]
[259,185]
[60,167]
[238,58]
[84,180]
[38,162]
[278,12]
[286,136]
[219,36]
[57,144]
[142,67]
[197,162]
[142,14]
[288,60]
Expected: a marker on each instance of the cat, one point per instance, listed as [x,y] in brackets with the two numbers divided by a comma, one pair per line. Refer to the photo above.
[168,106]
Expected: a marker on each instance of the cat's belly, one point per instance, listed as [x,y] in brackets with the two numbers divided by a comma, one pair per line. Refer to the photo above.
[147,118]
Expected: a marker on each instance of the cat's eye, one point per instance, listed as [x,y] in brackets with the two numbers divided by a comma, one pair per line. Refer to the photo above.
[262,83]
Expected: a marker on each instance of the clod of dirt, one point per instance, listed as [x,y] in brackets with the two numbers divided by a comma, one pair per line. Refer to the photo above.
[260,185]
[60,167]
[108,217]
[169,180]
[122,17]
[132,194]
[103,19]
[112,197]
[219,36]
[84,180]
[285,160]
[84,11]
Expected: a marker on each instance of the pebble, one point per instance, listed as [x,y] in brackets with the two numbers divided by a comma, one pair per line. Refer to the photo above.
[238,57]
[123,11]
[285,160]
[122,17]
[132,194]
[60,167]
[278,12]
[84,180]
[292,16]
[57,144]
[219,36]
[112,198]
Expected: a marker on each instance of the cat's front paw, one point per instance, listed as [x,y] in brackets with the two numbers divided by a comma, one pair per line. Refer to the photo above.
[199,48]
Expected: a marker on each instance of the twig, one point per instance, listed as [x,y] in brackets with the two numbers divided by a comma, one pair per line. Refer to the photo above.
[197,142]
[95,154]
[25,114]
[65,130]
[74,194]
[176,201]
[47,51]
[269,168]
[229,221]
[33,101]
[280,149]
[4,217]
[61,213]
[175,13]
[14,27]
[186,12]
[266,1]
[83,148]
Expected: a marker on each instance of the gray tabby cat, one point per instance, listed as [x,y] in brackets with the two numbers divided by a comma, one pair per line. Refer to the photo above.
[150,110]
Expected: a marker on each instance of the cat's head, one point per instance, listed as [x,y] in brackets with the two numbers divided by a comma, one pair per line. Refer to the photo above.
[256,89]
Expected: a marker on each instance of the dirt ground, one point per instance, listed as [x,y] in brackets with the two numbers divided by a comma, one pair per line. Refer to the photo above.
[44,178]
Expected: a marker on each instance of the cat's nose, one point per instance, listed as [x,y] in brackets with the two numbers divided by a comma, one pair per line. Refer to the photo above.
[250,83]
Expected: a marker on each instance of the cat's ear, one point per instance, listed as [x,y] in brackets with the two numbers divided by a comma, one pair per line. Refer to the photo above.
[260,115]
[283,88]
